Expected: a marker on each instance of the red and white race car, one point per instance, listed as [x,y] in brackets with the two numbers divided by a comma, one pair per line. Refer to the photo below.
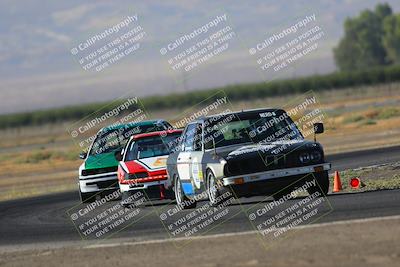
[142,165]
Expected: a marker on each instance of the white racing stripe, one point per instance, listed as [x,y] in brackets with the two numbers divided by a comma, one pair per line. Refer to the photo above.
[317,225]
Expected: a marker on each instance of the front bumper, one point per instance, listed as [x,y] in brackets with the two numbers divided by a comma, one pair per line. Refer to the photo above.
[140,186]
[98,183]
[275,174]
[153,191]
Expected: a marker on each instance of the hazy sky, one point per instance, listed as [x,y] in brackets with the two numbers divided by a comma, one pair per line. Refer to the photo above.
[37,69]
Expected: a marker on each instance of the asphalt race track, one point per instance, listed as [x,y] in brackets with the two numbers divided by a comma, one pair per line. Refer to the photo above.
[44,218]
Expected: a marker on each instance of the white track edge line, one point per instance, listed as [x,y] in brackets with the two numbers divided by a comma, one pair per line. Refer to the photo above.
[160,241]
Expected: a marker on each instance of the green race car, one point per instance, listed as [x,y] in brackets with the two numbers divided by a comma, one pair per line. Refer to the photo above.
[98,173]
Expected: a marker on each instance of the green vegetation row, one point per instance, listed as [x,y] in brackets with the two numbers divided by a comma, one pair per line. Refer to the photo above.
[317,83]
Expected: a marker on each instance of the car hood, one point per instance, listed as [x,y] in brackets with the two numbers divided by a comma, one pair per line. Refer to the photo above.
[103,160]
[151,164]
[273,148]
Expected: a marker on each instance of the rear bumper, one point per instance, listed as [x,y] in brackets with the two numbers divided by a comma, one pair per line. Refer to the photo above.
[275,174]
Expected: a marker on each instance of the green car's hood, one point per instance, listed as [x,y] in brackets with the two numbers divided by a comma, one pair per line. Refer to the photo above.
[101,161]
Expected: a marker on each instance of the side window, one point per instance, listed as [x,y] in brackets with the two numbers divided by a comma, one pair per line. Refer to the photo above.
[131,151]
[198,138]
[188,142]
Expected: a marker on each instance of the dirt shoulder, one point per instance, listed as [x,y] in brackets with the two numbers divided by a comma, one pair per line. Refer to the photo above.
[358,243]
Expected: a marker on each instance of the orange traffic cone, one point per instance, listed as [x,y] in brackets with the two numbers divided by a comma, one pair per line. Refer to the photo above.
[337,184]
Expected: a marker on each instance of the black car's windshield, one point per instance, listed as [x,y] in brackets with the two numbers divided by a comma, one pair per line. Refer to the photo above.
[151,147]
[113,139]
[263,127]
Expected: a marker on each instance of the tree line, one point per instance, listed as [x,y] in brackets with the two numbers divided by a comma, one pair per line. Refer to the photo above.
[317,83]
[370,39]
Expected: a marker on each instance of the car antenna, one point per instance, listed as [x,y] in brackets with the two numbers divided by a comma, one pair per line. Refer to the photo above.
[215,150]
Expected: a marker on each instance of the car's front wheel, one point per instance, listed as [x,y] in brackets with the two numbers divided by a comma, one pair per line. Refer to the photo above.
[322,184]
[182,200]
[214,189]
[282,193]
[126,199]
[87,197]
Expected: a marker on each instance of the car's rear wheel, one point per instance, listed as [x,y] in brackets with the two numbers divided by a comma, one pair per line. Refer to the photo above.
[322,185]
[182,200]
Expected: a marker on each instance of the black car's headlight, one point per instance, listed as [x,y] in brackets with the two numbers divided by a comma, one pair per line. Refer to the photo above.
[305,157]
[316,156]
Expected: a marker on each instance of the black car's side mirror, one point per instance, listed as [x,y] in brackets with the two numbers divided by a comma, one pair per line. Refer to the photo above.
[318,128]
[82,155]
[118,155]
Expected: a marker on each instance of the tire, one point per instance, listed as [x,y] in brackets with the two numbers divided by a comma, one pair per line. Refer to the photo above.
[108,192]
[181,200]
[124,197]
[86,197]
[283,192]
[212,191]
[322,184]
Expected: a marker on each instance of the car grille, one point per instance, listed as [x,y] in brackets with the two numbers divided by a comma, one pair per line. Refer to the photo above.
[255,164]
[137,175]
[260,163]
[98,171]
[104,184]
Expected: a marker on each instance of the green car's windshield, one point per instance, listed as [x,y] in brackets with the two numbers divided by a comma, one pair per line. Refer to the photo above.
[114,139]
[152,146]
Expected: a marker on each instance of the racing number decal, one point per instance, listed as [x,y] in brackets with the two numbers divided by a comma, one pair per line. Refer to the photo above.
[183,165]
[197,173]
